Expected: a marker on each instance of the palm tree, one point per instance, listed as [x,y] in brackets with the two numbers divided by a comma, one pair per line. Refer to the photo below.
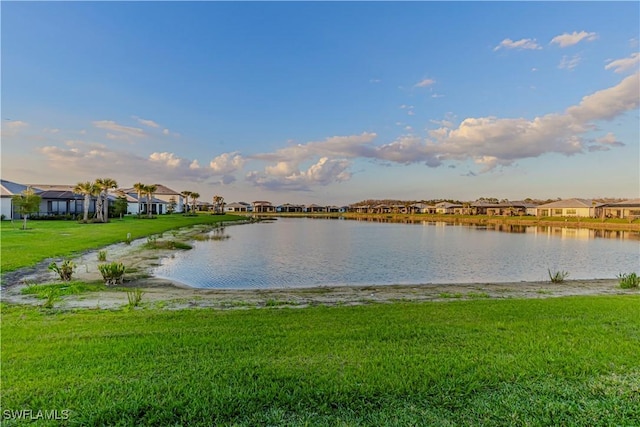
[139,187]
[88,190]
[104,184]
[186,194]
[150,189]
[194,197]
[218,204]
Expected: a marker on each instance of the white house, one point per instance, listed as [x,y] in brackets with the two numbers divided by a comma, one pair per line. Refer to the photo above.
[9,189]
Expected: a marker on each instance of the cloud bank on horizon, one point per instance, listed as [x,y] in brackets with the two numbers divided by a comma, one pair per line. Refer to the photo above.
[600,119]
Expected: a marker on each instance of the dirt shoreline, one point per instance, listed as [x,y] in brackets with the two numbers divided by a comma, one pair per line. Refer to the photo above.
[162,293]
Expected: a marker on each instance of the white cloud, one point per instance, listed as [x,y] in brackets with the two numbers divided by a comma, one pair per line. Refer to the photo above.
[226,163]
[528,44]
[165,132]
[569,63]
[424,83]
[117,131]
[168,159]
[566,39]
[625,64]
[149,123]
[324,172]
[375,81]
[13,127]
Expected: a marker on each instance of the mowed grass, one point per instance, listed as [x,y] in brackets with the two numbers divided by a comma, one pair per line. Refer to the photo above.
[562,361]
[48,239]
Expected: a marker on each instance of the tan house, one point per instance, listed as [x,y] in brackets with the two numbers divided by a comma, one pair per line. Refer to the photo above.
[626,209]
[584,208]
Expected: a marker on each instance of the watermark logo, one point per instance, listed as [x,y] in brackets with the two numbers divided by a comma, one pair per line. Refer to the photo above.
[34,415]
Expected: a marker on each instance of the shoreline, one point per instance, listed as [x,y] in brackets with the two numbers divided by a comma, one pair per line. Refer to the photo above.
[168,294]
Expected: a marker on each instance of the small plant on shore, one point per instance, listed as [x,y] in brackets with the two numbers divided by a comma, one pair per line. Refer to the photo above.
[65,269]
[128,239]
[134,297]
[629,280]
[102,256]
[558,276]
[112,273]
[51,297]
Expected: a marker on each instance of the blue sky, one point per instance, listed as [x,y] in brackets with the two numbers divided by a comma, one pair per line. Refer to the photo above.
[333,102]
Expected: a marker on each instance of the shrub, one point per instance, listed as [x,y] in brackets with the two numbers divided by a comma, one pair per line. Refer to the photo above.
[134,296]
[558,276]
[102,256]
[112,273]
[65,269]
[629,281]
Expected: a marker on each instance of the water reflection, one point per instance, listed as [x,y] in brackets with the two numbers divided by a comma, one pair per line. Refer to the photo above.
[302,252]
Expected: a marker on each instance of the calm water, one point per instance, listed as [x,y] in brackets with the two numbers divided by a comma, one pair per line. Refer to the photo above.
[304,252]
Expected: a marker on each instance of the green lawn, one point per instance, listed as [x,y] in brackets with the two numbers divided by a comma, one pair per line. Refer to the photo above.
[46,239]
[561,361]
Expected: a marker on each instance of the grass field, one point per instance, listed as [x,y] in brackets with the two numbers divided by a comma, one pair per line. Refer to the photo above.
[561,361]
[46,239]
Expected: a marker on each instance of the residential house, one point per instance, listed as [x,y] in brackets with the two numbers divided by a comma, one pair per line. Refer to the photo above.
[447,207]
[236,207]
[629,209]
[163,194]
[289,208]
[503,208]
[312,208]
[262,206]
[584,208]
[8,189]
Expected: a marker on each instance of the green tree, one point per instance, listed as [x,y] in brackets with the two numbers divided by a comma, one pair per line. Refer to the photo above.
[150,190]
[88,190]
[218,204]
[171,207]
[102,207]
[139,187]
[27,202]
[121,206]
[186,194]
[194,198]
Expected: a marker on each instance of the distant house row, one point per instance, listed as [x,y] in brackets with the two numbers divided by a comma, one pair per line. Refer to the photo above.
[61,200]
[564,208]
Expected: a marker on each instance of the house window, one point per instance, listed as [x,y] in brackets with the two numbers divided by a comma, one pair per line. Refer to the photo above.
[557,212]
[571,211]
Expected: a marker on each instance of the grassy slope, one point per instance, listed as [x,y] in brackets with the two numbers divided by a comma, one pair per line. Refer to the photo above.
[46,239]
[564,361]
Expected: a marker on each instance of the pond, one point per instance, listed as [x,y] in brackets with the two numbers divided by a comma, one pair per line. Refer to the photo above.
[306,252]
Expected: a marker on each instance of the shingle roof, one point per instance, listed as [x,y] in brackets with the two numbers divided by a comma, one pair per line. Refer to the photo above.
[633,203]
[9,188]
[161,190]
[571,203]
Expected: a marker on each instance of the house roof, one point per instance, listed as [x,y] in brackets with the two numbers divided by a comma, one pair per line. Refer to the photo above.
[54,187]
[447,205]
[571,203]
[60,194]
[633,203]
[161,190]
[261,203]
[9,188]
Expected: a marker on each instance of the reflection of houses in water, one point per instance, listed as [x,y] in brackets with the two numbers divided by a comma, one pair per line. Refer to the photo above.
[583,233]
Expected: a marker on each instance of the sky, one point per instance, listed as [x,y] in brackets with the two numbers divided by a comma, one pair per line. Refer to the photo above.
[325,102]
